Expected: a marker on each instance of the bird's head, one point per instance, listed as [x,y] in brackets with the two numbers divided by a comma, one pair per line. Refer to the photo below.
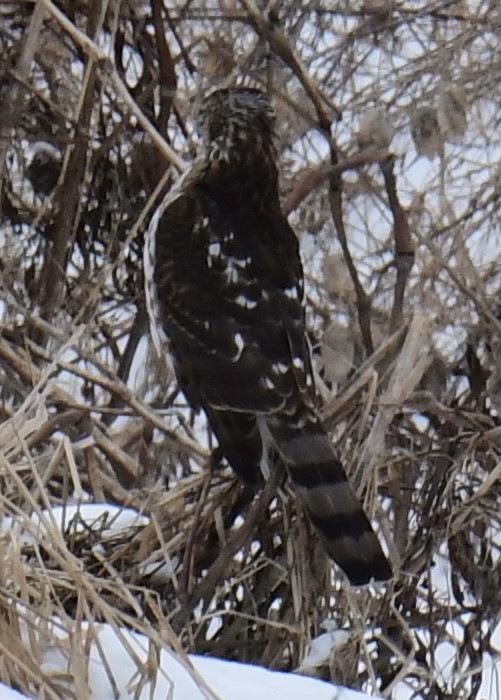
[237,122]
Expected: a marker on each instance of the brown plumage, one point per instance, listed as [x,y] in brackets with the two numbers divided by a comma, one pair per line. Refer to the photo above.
[224,286]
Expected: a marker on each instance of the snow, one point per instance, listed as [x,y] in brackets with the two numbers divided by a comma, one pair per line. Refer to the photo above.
[79,517]
[192,678]
[7,693]
[321,649]
[123,663]
[82,516]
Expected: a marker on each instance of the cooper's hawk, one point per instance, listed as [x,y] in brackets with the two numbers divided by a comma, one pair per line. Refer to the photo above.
[224,288]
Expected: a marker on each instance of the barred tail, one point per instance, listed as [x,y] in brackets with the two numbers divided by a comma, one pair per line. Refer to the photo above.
[331,503]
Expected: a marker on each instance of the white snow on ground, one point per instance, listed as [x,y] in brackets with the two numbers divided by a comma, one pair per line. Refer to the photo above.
[82,516]
[115,655]
[321,649]
[7,693]
[196,677]
[193,678]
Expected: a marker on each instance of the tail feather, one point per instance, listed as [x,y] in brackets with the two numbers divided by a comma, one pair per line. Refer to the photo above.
[331,503]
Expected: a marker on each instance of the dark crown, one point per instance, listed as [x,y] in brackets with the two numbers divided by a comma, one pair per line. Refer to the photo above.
[233,116]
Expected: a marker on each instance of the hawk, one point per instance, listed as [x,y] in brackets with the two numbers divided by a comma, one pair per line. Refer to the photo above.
[224,290]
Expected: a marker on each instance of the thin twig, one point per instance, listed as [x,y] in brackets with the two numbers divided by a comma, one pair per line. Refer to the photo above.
[404,247]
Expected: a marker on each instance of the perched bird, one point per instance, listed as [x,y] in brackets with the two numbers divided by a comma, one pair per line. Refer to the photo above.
[224,289]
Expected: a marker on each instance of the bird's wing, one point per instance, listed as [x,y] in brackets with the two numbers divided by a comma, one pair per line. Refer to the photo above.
[229,298]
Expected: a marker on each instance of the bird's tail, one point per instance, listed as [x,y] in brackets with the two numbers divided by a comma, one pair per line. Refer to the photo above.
[331,503]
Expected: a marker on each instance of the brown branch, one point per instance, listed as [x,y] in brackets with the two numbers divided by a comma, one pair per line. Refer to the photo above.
[139,327]
[100,56]
[114,386]
[237,540]
[312,178]
[126,468]
[280,45]
[382,357]
[363,300]
[13,95]
[168,81]
[60,422]
[404,246]
[31,375]
[182,49]
[185,578]
[71,182]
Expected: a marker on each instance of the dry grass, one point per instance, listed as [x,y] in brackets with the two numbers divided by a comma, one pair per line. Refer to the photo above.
[210,551]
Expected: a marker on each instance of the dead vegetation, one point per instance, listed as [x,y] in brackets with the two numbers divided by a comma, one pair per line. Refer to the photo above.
[402,258]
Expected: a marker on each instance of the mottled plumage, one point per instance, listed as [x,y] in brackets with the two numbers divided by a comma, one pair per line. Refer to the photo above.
[224,287]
